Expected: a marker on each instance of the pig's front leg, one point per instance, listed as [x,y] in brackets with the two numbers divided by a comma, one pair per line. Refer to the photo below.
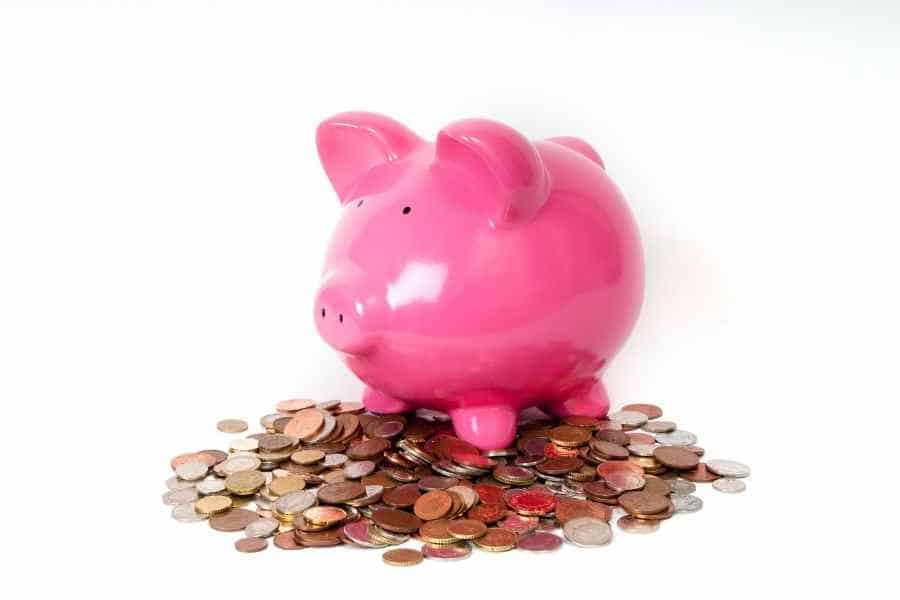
[592,402]
[382,404]
[488,426]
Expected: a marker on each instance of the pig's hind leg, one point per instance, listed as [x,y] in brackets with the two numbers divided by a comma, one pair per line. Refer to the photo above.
[489,426]
[382,404]
[591,401]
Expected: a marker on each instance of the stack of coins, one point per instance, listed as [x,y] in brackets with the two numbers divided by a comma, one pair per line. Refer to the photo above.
[327,474]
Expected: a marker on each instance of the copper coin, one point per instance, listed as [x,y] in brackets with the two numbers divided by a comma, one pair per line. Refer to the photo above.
[700,474]
[251,544]
[531,503]
[447,551]
[470,459]
[325,516]
[495,539]
[643,503]
[466,529]
[294,405]
[657,485]
[435,504]
[358,469]
[435,532]
[572,508]
[513,475]
[487,513]
[231,426]
[305,424]
[519,524]
[676,458]
[604,469]
[368,450]
[599,490]
[541,541]
[631,525]
[624,481]
[560,465]
[581,421]
[434,482]
[652,411]
[235,519]
[402,496]
[615,437]
[204,457]
[402,557]
[327,537]
[343,491]
[281,486]
[285,540]
[640,438]
[609,450]
[275,442]
[569,436]
[396,521]
[670,510]
[307,457]
[489,493]
[348,407]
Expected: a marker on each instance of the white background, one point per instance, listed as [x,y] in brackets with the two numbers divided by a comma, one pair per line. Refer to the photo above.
[164,216]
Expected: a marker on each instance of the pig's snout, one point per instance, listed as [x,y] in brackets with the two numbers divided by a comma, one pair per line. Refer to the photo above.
[341,314]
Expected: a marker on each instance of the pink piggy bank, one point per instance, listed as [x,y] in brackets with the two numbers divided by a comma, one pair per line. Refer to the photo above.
[479,274]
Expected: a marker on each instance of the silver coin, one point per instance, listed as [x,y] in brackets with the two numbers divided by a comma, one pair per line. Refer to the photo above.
[728,468]
[686,503]
[238,463]
[183,496]
[469,495]
[587,532]
[629,418]
[677,438]
[192,470]
[682,487]
[244,444]
[358,469]
[261,528]
[327,427]
[268,421]
[334,460]
[175,483]
[373,495]
[659,426]
[729,485]
[186,513]
[642,449]
[295,502]
[210,486]
[263,504]
[328,404]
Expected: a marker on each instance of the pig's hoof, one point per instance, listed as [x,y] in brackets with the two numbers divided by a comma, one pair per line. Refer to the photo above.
[593,403]
[488,427]
[383,404]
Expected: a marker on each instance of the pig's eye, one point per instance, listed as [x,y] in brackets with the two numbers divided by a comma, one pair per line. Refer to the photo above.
[406,210]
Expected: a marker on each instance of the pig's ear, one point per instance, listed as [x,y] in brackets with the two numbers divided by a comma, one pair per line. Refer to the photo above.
[351,144]
[507,171]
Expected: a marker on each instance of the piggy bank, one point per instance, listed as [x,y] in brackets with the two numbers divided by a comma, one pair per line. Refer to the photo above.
[479,274]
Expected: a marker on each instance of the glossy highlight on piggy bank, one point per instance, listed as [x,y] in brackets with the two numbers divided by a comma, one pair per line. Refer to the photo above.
[479,274]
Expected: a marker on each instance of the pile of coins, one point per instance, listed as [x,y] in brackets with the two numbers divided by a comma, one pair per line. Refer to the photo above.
[325,474]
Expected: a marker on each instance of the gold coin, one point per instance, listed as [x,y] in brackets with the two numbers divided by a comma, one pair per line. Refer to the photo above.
[402,557]
[212,505]
[307,457]
[285,485]
[245,483]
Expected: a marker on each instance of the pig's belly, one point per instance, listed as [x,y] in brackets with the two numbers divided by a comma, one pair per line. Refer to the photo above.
[439,376]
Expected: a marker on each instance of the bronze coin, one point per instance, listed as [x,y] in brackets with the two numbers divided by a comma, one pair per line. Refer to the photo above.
[657,485]
[397,521]
[699,474]
[235,519]
[643,503]
[294,405]
[676,458]
[275,442]
[609,450]
[496,540]
[668,512]
[489,493]
[251,544]
[402,557]
[560,465]
[402,496]
[569,436]
[343,491]
[368,450]
[652,411]
[285,540]
[604,469]
[435,532]
[466,529]
[599,490]
[434,482]
[616,437]
[305,424]
[327,537]
[432,505]
[640,438]
[581,421]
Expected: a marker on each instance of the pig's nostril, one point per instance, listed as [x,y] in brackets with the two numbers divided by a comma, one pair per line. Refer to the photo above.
[341,318]
[323,313]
